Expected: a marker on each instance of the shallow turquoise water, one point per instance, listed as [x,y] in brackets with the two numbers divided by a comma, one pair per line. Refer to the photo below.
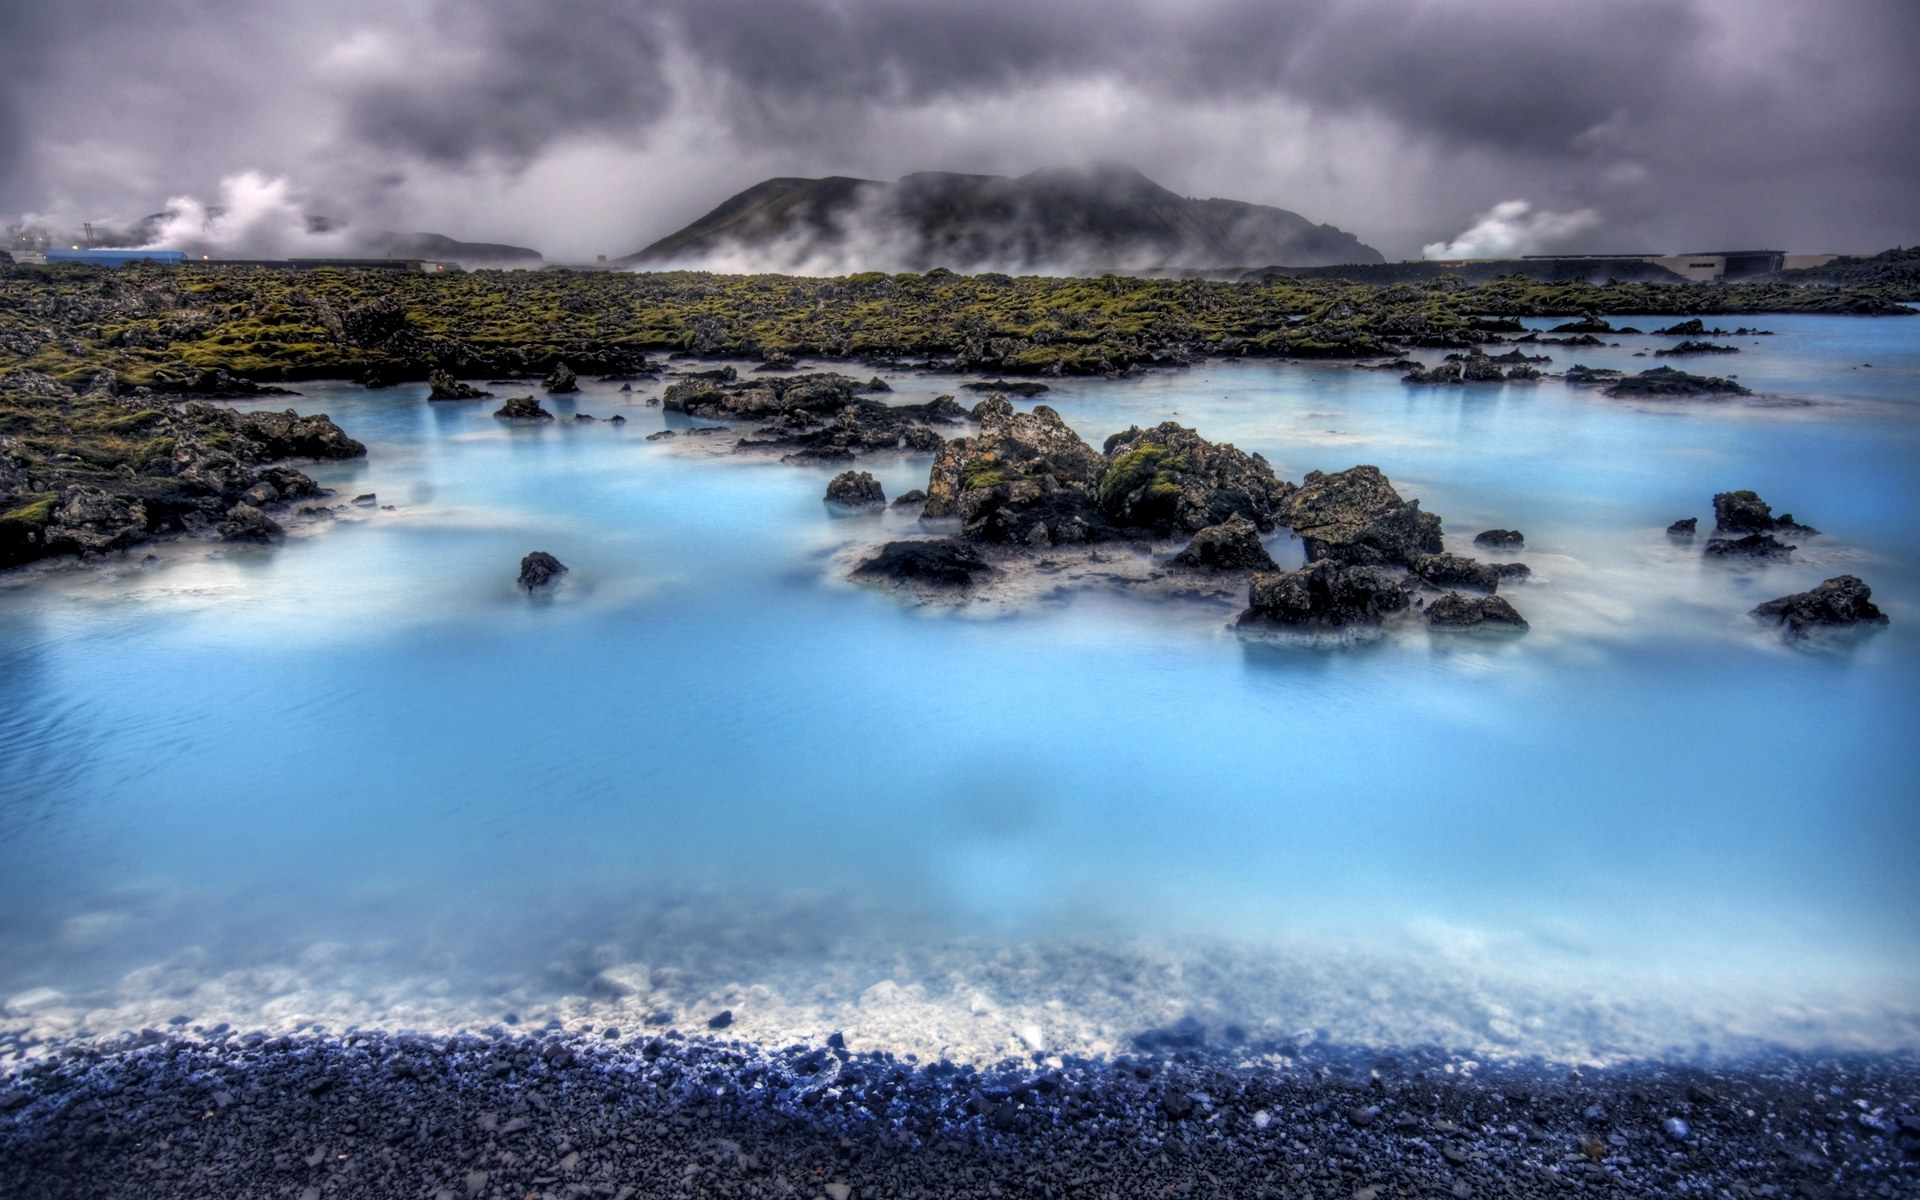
[369,735]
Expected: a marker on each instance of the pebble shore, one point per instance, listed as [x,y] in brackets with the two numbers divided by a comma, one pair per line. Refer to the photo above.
[633,1113]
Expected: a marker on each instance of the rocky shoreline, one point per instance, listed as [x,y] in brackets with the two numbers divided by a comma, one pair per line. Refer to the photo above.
[629,1113]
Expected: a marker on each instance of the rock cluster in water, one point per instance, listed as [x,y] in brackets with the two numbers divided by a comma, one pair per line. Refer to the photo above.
[175,468]
[1026,485]
[1841,601]
[820,417]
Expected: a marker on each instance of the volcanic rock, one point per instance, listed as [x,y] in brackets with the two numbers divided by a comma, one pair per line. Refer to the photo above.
[245,523]
[1325,593]
[523,408]
[1233,545]
[941,563]
[539,569]
[1454,611]
[1355,517]
[854,490]
[1668,383]
[1170,479]
[1842,600]
[1455,571]
[1500,539]
[1754,545]
[445,387]
[560,380]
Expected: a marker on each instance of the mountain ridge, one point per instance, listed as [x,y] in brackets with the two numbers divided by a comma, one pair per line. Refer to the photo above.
[1108,216]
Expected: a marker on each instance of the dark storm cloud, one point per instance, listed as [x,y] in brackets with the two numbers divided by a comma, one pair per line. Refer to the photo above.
[1673,119]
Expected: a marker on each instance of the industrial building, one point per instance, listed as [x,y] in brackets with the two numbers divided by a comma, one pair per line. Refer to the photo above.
[1711,266]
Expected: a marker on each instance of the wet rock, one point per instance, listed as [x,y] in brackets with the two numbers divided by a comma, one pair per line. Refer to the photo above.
[1480,369]
[1446,372]
[1592,376]
[1500,539]
[1356,517]
[1022,471]
[1025,387]
[1692,347]
[245,523]
[1754,545]
[1694,327]
[1524,373]
[287,434]
[935,563]
[1662,383]
[720,1020]
[855,490]
[443,386]
[1684,528]
[1588,323]
[1233,545]
[1841,601]
[1454,611]
[90,520]
[523,408]
[1455,571]
[1511,571]
[911,497]
[560,380]
[1169,479]
[539,570]
[366,500]
[1746,512]
[1326,594]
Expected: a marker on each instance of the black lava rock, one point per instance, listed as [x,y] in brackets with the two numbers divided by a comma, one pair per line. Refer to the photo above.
[1754,545]
[1500,539]
[939,562]
[855,490]
[1233,545]
[522,408]
[1840,601]
[1454,611]
[539,569]
[1684,528]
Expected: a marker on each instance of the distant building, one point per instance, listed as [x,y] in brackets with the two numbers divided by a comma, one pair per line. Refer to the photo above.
[1713,266]
[114,258]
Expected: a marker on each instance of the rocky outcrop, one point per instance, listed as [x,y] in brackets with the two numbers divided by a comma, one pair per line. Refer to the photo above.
[1666,383]
[1746,512]
[1754,545]
[909,498]
[89,520]
[1692,347]
[855,491]
[522,408]
[539,570]
[941,563]
[1454,611]
[1500,539]
[1025,478]
[1455,571]
[1524,373]
[1586,324]
[1355,517]
[822,417]
[1325,594]
[1170,480]
[443,386]
[1481,369]
[1446,372]
[560,380]
[1583,376]
[1511,572]
[1685,527]
[285,434]
[1232,545]
[245,523]
[1841,601]
[1028,388]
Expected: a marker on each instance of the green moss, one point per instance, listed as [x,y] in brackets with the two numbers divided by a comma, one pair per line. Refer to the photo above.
[35,512]
[982,475]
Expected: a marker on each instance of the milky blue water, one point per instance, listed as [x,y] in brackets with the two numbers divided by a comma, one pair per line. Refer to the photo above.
[368,735]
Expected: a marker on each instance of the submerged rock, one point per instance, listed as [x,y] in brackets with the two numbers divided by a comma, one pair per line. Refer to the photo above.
[1511,571]
[1754,545]
[443,386]
[1840,601]
[1684,528]
[1668,383]
[1691,347]
[1592,376]
[523,408]
[1324,594]
[940,563]
[561,380]
[1446,372]
[539,569]
[1023,387]
[1233,545]
[1500,539]
[855,490]
[1355,517]
[910,497]
[1454,611]
[1455,571]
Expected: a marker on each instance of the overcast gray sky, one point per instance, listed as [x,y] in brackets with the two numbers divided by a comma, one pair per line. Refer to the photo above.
[595,126]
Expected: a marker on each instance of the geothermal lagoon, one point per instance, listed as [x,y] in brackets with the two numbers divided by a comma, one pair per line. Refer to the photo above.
[363,780]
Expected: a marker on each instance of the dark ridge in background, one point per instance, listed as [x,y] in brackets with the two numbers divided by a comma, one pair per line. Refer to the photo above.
[1106,216]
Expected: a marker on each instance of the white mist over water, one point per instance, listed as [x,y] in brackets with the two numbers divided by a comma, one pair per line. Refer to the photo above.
[361,778]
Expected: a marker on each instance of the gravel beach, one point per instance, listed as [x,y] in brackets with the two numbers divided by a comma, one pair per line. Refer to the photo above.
[630,1113]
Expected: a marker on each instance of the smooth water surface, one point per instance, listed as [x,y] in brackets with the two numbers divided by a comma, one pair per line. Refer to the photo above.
[219,761]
